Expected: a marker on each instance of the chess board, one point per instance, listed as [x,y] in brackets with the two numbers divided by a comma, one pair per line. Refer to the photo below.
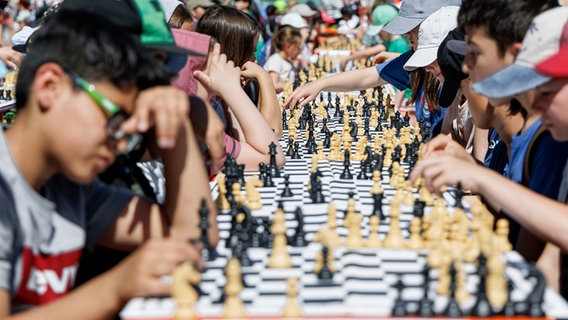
[363,285]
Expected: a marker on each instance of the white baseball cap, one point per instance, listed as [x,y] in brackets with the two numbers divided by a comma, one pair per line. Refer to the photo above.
[294,20]
[431,34]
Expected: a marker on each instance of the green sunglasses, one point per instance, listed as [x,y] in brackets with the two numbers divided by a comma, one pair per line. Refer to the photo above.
[116,116]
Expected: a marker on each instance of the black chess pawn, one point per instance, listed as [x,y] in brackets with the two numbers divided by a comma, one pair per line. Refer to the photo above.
[409,153]
[296,151]
[286,192]
[482,308]
[379,127]
[208,252]
[316,192]
[268,182]
[300,235]
[369,161]
[406,120]
[240,172]
[290,147]
[272,167]
[327,139]
[284,121]
[419,208]
[363,171]
[426,305]
[399,308]
[324,127]
[453,309]
[458,195]
[266,237]
[262,172]
[325,272]
[536,297]
[366,129]
[509,307]
[346,174]
[378,206]
[312,145]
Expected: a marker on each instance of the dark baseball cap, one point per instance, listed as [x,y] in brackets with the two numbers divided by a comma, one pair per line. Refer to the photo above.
[143,18]
[413,12]
[450,64]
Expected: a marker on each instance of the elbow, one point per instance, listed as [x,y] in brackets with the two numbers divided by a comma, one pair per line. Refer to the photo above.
[280,160]
[278,132]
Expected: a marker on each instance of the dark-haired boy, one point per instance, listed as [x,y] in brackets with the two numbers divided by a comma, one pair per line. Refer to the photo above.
[494,31]
[77,86]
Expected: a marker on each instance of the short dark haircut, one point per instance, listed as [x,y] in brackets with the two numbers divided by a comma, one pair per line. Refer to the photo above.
[506,21]
[97,51]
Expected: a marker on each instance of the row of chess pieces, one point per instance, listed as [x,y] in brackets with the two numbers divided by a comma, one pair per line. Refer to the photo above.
[450,236]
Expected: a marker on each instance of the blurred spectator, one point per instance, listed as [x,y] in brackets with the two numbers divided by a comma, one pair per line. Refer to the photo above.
[198,8]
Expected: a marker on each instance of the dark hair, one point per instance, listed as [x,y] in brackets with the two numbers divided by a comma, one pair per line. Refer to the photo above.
[180,15]
[420,77]
[235,30]
[270,10]
[347,11]
[506,21]
[97,51]
[285,35]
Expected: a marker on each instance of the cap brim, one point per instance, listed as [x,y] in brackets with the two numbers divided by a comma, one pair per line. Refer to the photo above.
[421,58]
[21,48]
[402,25]
[170,48]
[510,81]
[448,92]
[555,66]
[374,30]
[457,46]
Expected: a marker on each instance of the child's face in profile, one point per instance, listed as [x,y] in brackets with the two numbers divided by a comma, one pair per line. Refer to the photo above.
[483,57]
[93,151]
[293,50]
[552,101]
[435,70]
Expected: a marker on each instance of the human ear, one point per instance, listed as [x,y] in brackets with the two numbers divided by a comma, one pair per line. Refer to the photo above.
[47,84]
[516,48]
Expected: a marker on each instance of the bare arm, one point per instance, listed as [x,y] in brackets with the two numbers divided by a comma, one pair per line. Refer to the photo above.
[224,80]
[103,297]
[186,185]
[354,80]
[362,54]
[268,103]
[278,85]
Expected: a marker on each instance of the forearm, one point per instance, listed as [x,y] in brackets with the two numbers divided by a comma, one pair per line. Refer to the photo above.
[255,128]
[268,104]
[187,184]
[367,52]
[96,299]
[354,80]
[544,217]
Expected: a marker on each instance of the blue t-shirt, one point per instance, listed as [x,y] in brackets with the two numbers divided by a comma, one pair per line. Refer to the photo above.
[497,155]
[548,161]
[393,72]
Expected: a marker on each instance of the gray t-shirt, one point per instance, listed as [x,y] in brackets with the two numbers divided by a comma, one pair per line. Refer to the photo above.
[43,236]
